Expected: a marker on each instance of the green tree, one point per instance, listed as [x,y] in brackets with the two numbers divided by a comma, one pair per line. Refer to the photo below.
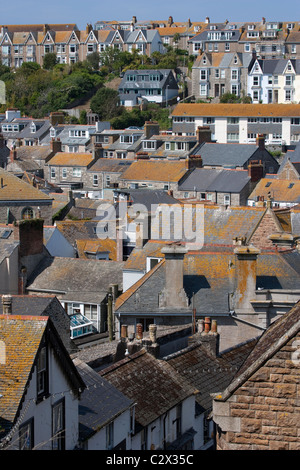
[105,103]
[229,98]
[83,117]
[176,39]
[49,60]
[93,60]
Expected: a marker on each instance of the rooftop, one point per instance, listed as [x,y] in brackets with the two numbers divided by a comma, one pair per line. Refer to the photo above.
[237,110]
[14,189]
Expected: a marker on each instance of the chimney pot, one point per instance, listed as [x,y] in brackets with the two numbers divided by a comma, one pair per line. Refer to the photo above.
[214,327]
[124,331]
[139,331]
[152,332]
[207,325]
[200,326]
[260,141]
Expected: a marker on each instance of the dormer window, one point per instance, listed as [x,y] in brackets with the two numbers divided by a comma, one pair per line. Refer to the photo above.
[149,144]
[52,132]
[128,139]
[77,133]
[32,127]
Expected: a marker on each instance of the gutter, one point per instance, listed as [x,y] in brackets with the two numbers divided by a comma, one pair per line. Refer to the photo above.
[232,314]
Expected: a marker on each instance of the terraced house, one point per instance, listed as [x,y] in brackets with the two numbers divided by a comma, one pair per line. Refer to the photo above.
[30,43]
[274,81]
[216,73]
[240,123]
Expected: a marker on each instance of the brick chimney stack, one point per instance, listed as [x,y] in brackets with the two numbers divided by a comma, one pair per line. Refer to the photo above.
[194,161]
[55,145]
[260,141]
[203,134]
[30,234]
[256,170]
[13,154]
[151,128]
[210,337]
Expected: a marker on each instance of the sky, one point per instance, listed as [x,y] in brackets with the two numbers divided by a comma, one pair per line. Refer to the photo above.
[82,12]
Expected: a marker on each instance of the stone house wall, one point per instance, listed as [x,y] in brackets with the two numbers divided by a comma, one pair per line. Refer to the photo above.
[264,413]
[42,209]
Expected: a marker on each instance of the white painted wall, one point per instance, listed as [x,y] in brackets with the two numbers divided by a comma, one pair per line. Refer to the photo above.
[59,387]
[121,432]
[286,130]
[130,278]
[243,130]
[155,430]
[221,129]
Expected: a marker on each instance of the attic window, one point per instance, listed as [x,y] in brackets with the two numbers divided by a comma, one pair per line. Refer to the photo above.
[268,184]
[290,185]
[27,213]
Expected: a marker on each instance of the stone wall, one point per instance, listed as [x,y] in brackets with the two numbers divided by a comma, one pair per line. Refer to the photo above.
[42,209]
[264,413]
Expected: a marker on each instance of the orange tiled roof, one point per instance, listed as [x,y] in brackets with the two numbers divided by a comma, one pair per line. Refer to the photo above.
[155,171]
[95,246]
[170,31]
[62,36]
[15,189]
[39,27]
[280,190]
[21,337]
[243,110]
[71,159]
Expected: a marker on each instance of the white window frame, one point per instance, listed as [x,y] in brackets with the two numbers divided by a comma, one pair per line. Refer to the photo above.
[76,172]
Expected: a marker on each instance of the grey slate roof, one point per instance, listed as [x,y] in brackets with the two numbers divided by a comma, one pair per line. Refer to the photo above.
[166,76]
[100,402]
[152,383]
[150,198]
[209,276]
[76,279]
[277,66]
[207,373]
[219,27]
[7,247]
[29,305]
[226,155]
[202,179]
[42,128]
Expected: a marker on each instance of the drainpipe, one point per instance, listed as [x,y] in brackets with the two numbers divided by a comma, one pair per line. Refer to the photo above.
[110,315]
